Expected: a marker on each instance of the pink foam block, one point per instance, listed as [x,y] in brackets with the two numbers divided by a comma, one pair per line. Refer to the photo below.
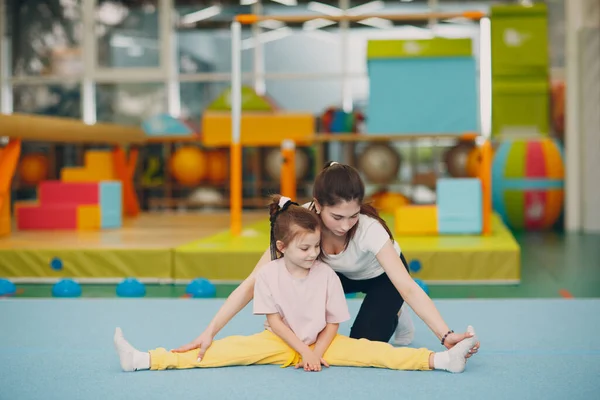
[47,217]
[80,193]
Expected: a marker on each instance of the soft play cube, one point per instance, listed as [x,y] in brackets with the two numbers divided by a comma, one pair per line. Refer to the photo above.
[460,206]
[88,217]
[411,80]
[111,209]
[46,217]
[416,220]
[521,106]
[519,39]
[57,192]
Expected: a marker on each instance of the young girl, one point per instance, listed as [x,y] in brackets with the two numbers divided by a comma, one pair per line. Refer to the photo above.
[304,304]
[360,247]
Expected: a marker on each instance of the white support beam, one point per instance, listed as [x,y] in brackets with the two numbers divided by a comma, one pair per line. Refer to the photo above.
[347,101]
[169,60]
[258,71]
[6,100]
[90,55]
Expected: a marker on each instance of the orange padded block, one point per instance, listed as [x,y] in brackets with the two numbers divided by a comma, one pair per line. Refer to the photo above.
[258,128]
[88,217]
[5,223]
[416,220]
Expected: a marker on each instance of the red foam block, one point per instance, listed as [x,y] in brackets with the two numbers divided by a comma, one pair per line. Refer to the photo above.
[80,193]
[47,217]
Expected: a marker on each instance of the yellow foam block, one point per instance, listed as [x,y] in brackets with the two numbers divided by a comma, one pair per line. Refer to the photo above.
[101,163]
[98,166]
[258,128]
[416,220]
[88,217]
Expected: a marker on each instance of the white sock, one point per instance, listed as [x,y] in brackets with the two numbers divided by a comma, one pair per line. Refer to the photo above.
[405,331]
[131,359]
[454,360]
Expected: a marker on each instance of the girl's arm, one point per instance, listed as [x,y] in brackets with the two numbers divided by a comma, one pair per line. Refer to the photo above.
[286,334]
[236,301]
[410,291]
[325,338]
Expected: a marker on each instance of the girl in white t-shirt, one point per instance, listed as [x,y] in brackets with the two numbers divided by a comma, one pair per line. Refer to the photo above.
[304,303]
[360,247]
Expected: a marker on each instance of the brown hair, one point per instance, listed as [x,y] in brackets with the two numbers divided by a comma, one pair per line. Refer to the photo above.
[289,221]
[338,182]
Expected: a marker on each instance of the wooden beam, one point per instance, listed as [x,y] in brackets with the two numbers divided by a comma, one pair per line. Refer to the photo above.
[55,129]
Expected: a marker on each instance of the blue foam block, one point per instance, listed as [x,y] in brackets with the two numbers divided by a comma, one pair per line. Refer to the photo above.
[422,95]
[111,214]
[460,206]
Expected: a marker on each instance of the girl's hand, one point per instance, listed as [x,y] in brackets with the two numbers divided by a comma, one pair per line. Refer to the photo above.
[310,362]
[453,338]
[202,343]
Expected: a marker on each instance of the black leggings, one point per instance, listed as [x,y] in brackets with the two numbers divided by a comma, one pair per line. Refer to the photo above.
[377,318]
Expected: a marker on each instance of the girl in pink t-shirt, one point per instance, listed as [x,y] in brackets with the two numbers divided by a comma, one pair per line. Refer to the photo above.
[304,303]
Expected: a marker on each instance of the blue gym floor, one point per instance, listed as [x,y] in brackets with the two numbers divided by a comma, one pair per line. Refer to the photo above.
[62,349]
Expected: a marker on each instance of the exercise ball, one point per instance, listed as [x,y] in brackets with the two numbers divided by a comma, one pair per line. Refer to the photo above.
[528,183]
[218,166]
[131,287]
[274,161]
[380,163]
[201,288]
[388,202]
[33,168]
[188,165]
[473,163]
[456,158]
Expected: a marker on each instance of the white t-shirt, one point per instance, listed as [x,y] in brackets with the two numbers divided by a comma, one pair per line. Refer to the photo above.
[359,260]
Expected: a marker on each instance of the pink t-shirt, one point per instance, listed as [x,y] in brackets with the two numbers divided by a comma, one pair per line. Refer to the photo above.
[306,304]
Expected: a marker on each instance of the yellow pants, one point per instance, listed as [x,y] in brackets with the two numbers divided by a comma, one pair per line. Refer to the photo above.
[268,348]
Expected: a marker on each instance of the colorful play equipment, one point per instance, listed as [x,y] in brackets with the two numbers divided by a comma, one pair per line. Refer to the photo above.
[201,288]
[336,120]
[188,165]
[131,287]
[97,166]
[19,127]
[387,202]
[7,288]
[218,166]
[410,78]
[528,183]
[256,128]
[275,158]
[380,163]
[33,168]
[462,160]
[463,205]
[520,70]
[66,288]
[72,205]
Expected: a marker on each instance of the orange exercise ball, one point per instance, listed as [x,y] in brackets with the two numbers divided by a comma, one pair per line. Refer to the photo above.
[474,162]
[218,166]
[388,202]
[33,168]
[188,165]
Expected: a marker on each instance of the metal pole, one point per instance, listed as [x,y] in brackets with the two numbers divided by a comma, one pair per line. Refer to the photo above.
[485,77]
[6,104]
[89,54]
[236,111]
